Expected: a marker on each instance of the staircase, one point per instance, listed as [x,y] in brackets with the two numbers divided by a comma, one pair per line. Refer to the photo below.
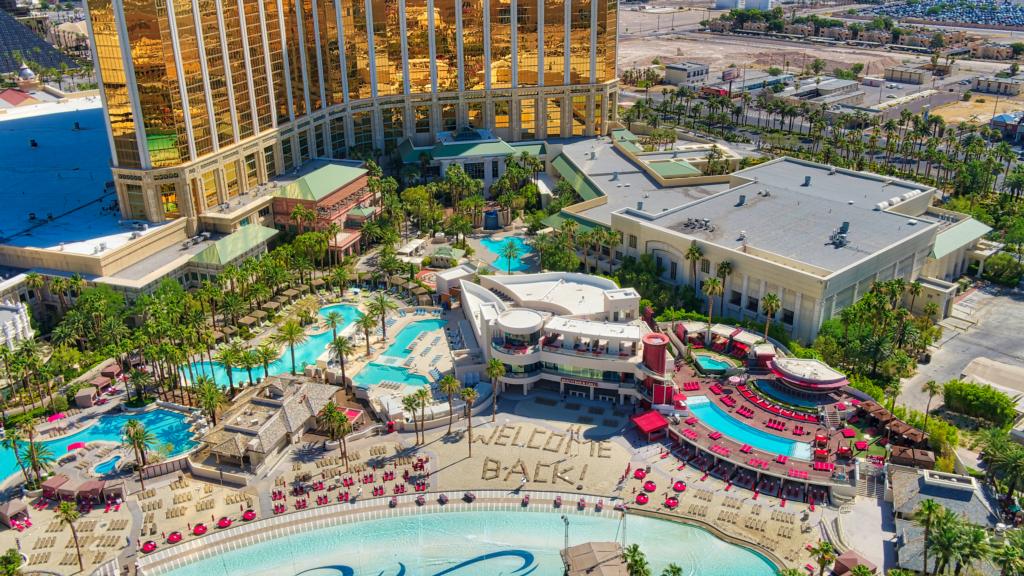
[871,481]
[832,417]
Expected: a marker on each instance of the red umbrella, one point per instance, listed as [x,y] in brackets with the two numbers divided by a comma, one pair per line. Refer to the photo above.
[55,417]
[76,446]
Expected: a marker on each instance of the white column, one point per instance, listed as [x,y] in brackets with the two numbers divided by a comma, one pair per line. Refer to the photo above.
[743,295]
[797,317]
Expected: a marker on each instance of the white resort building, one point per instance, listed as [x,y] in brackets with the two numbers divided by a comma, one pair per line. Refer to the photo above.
[577,334]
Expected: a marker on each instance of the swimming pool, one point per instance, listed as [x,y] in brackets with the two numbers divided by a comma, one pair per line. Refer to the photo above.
[716,418]
[107,466]
[168,427]
[710,364]
[305,353]
[385,368]
[474,544]
[501,263]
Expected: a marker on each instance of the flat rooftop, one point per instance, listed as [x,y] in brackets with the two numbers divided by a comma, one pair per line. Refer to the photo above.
[625,184]
[780,215]
[63,181]
[579,294]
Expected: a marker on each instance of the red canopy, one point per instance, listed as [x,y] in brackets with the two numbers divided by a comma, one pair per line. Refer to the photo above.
[650,422]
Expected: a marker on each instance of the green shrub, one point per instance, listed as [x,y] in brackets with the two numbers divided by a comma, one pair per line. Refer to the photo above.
[60,404]
[865,385]
[1003,269]
[979,401]
[29,416]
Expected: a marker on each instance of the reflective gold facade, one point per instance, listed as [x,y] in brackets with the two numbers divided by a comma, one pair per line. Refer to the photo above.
[208,99]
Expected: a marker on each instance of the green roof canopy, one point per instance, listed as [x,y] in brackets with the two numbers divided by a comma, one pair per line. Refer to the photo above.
[411,155]
[576,178]
[556,220]
[533,148]
[674,168]
[320,182]
[957,236]
[224,251]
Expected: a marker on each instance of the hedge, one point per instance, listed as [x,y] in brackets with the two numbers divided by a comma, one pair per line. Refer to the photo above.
[980,401]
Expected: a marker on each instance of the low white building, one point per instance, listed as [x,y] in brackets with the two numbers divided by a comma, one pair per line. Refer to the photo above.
[576,334]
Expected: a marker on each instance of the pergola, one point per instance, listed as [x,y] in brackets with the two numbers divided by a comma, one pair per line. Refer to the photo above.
[650,423]
[246,320]
[271,306]
[258,314]
[10,510]
[92,489]
[51,485]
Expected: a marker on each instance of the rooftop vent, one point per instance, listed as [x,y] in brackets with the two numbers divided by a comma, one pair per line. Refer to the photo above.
[849,202]
[807,181]
[881,205]
[615,175]
[911,222]
[742,200]
[831,170]
[639,204]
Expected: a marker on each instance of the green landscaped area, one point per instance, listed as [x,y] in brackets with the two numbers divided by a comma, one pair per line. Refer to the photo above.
[673,168]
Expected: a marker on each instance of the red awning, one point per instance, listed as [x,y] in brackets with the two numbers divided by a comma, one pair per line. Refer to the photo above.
[736,332]
[650,422]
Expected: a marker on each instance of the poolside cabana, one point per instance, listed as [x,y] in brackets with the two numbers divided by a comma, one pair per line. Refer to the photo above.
[247,321]
[217,335]
[914,457]
[290,293]
[114,490]
[396,281]
[849,560]
[86,396]
[258,314]
[899,427]
[67,491]
[317,282]
[11,510]
[112,371]
[280,299]
[92,489]
[651,424]
[101,381]
[915,436]
[270,307]
[302,288]
[51,485]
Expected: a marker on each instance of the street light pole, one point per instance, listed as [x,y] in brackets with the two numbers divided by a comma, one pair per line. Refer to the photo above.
[565,546]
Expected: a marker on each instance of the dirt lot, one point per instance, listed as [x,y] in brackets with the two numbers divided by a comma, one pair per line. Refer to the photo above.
[979,110]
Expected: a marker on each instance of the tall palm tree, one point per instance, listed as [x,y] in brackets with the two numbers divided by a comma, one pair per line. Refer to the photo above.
[712,287]
[931,388]
[770,305]
[914,289]
[12,440]
[291,334]
[410,403]
[495,370]
[267,352]
[861,570]
[925,514]
[451,387]
[67,515]
[209,396]
[946,539]
[229,356]
[136,437]
[469,396]
[422,401]
[824,554]
[380,305]
[338,426]
[249,359]
[674,569]
[509,251]
[334,319]
[974,546]
[342,348]
[367,323]
[38,457]
[723,271]
[693,255]
[636,561]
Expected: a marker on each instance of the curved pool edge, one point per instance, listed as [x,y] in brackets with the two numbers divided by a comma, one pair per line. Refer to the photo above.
[260,531]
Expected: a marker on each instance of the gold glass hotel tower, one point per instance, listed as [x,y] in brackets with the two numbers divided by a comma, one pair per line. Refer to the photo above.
[207,99]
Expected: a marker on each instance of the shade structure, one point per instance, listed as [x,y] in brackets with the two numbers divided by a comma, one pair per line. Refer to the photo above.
[246,320]
[912,457]
[258,314]
[898,427]
[91,489]
[51,485]
[735,380]
[650,422]
[848,432]
[55,417]
[75,446]
[10,509]
[849,560]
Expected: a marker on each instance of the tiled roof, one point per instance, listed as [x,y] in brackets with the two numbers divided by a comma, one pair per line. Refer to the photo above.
[321,182]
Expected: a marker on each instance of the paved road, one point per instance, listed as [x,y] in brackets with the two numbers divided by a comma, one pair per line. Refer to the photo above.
[997,315]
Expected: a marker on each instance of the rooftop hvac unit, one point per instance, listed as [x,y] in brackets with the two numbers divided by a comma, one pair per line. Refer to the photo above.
[894,200]
[807,181]
[881,205]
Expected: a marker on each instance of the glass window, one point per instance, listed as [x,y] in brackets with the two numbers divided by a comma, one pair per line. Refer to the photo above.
[394,127]
[304,154]
[527,118]
[338,137]
[501,114]
[752,303]
[607,13]
[169,200]
[632,241]
[473,45]
[357,51]
[422,119]
[554,44]
[579,115]
[387,47]
[598,117]
[735,298]
[705,265]
[210,188]
[362,131]
[449,117]
[501,43]
[446,42]
[417,32]
[475,114]
[251,171]
[554,117]
[320,131]
[579,42]
[236,64]
[293,44]
[526,42]
[119,110]
[277,70]
[268,160]
[231,178]
[672,269]
[787,316]
[475,169]
[136,201]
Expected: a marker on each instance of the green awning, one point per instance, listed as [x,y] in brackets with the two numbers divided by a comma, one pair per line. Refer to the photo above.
[580,183]
[673,168]
[224,251]
[319,183]
[411,154]
[623,134]
[555,221]
[363,211]
[532,148]
[957,236]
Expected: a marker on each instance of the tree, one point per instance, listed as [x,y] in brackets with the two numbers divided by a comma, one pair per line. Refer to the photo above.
[380,305]
[336,422]
[209,396]
[723,271]
[410,403]
[931,388]
[342,348]
[301,214]
[824,555]
[333,319]
[422,401]
[267,352]
[495,370]
[10,563]
[672,570]
[135,436]
[861,570]
[228,356]
[451,387]
[469,396]
[510,252]
[291,333]
[770,305]
[712,287]
[914,289]
[693,255]
[925,514]
[12,440]
[636,561]
[67,515]
[367,323]
[38,457]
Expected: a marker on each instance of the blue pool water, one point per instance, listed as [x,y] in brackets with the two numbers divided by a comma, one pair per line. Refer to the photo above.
[476,544]
[501,263]
[108,466]
[716,418]
[305,353]
[710,364]
[384,369]
[168,428]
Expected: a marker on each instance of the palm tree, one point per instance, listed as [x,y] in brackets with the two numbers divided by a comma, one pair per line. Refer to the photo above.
[451,387]
[210,397]
[135,436]
[1008,558]
[693,255]
[249,359]
[367,323]
[291,333]
[974,546]
[861,570]
[674,569]
[338,426]
[824,554]
[931,388]
[333,319]
[379,306]
[914,289]
[946,539]
[510,251]
[495,370]
[228,356]
[636,561]
[712,287]
[342,348]
[267,353]
[410,403]
[12,440]
[723,271]
[39,458]
[925,514]
[67,515]
[469,396]
[422,401]
[770,305]
[302,214]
